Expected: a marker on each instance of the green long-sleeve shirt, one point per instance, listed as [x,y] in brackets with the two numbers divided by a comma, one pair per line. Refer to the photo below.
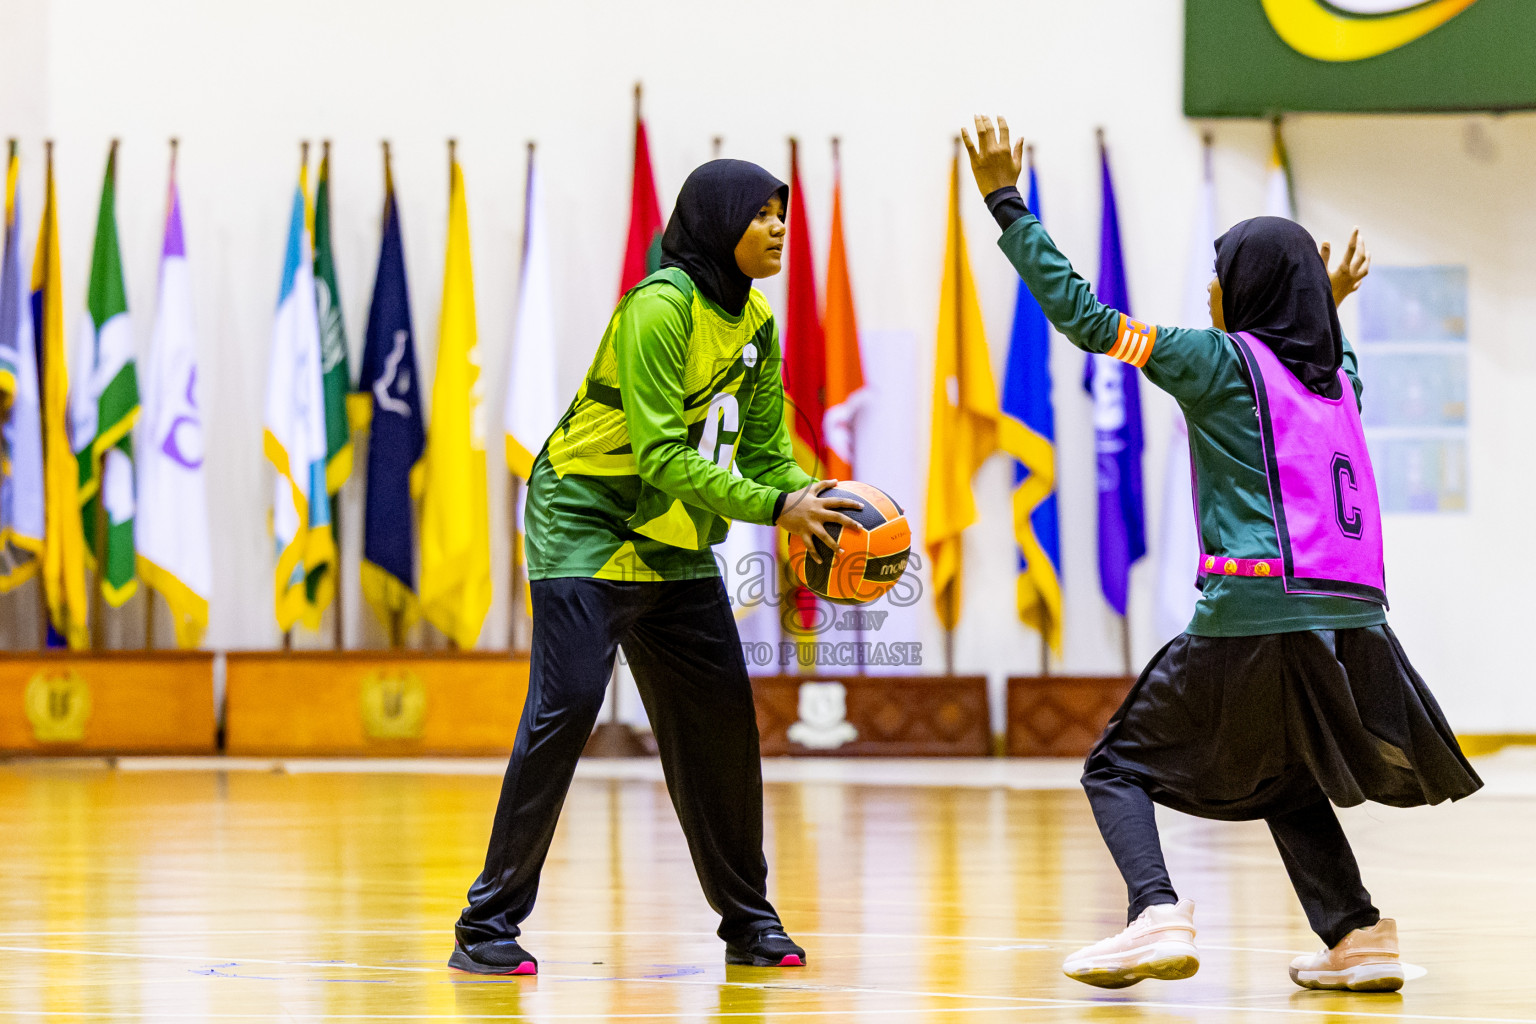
[1202,370]
[678,429]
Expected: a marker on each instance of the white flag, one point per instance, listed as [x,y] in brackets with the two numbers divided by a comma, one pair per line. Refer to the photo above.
[295,431]
[532,388]
[171,528]
[21,458]
[1179,546]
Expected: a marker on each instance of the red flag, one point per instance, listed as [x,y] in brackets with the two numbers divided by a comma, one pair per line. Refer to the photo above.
[642,254]
[845,370]
[805,350]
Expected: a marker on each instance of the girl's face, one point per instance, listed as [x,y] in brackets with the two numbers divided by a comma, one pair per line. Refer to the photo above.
[760,253]
[1218,318]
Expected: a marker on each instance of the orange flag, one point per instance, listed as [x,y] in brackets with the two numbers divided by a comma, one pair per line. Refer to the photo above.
[840,327]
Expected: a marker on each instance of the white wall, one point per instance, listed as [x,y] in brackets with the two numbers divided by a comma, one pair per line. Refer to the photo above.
[241,84]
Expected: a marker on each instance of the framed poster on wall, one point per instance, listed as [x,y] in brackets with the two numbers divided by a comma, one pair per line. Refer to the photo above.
[1253,58]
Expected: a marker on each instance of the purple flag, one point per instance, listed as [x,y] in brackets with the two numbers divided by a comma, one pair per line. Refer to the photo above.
[1116,424]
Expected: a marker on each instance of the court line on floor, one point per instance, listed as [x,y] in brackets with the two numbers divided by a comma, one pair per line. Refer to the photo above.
[1014,1006]
[1023,1002]
[1017,1002]
[218,959]
[1039,942]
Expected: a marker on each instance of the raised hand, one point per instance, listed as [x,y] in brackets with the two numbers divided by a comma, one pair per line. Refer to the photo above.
[1352,268]
[994,161]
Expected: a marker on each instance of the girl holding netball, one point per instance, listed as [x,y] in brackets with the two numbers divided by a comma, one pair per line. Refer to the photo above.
[626,499]
[1288,692]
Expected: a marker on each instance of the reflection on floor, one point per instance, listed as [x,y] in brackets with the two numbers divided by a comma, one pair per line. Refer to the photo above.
[230,891]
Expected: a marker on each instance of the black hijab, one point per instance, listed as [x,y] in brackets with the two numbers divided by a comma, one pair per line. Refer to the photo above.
[717,204]
[1274,286]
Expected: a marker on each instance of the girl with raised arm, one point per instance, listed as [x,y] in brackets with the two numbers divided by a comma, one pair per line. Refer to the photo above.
[1288,692]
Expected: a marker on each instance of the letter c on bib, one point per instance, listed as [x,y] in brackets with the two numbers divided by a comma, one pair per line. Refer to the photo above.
[1351,522]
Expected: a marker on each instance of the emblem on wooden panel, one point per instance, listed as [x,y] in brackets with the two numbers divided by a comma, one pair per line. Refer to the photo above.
[58,704]
[823,723]
[394,705]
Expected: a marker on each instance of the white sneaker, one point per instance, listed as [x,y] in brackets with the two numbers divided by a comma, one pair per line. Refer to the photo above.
[1365,960]
[1158,944]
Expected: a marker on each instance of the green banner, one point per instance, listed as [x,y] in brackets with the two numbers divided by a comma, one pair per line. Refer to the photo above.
[1252,58]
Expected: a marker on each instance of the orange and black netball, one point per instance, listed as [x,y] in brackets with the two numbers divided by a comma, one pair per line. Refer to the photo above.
[868,559]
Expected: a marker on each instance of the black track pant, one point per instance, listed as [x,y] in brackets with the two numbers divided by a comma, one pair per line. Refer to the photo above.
[681,642]
[1311,841]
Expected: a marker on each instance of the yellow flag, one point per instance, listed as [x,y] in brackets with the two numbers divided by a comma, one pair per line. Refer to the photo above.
[64,541]
[965,415]
[455,522]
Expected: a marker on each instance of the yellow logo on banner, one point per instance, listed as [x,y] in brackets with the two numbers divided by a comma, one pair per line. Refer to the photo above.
[1346,30]
[58,704]
[394,705]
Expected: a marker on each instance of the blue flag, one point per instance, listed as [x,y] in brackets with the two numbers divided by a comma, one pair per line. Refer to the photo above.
[1027,403]
[391,385]
[1117,424]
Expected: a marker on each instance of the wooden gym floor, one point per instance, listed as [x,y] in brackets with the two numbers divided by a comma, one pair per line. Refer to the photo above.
[246,891]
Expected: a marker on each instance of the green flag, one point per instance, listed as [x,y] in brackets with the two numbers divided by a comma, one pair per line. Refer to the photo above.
[104,407]
[337,372]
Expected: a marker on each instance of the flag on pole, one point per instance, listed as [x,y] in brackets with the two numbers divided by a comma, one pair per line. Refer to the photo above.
[397,433]
[804,345]
[175,556]
[1279,186]
[1030,417]
[964,429]
[532,387]
[336,381]
[64,538]
[642,252]
[21,440]
[1116,421]
[105,406]
[455,526]
[294,436]
[845,369]
[1179,546]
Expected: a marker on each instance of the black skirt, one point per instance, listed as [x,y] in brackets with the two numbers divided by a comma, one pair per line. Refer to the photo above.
[1237,728]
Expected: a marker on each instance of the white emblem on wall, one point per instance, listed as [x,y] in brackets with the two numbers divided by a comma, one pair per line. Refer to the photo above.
[823,723]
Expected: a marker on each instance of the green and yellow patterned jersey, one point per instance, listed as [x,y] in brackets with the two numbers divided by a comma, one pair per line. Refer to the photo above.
[678,429]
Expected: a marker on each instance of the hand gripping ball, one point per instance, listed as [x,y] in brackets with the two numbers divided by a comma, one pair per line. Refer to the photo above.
[868,559]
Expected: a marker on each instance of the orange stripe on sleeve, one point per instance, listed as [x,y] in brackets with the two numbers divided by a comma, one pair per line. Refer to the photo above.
[1134,343]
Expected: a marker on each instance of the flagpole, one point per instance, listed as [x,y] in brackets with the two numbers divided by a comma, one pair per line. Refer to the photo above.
[149,592]
[395,617]
[837,186]
[453,161]
[514,482]
[1045,644]
[338,621]
[98,521]
[949,595]
[304,178]
[42,583]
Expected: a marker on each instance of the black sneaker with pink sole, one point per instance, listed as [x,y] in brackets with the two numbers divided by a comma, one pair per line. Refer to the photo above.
[769,947]
[495,956]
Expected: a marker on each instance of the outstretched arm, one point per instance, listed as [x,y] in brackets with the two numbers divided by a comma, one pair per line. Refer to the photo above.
[1182,362]
[1066,299]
